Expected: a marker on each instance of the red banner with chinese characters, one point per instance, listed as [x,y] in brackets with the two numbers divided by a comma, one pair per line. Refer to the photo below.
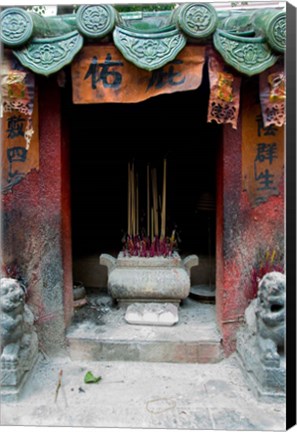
[272,85]
[223,105]
[19,123]
[18,157]
[262,152]
[102,74]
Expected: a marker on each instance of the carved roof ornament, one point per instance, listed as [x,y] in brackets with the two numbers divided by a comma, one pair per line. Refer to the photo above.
[95,21]
[268,23]
[197,20]
[46,56]
[249,55]
[16,27]
[273,25]
[149,50]
[250,41]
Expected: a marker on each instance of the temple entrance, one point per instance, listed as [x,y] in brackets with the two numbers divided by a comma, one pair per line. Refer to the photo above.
[104,138]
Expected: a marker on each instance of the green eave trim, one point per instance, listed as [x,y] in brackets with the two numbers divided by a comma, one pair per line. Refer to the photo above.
[46,56]
[149,51]
[250,41]
[269,23]
[249,55]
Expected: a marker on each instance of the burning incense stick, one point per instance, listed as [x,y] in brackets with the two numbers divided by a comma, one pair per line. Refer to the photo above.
[152,222]
[133,200]
[129,201]
[137,205]
[155,201]
[163,226]
[148,199]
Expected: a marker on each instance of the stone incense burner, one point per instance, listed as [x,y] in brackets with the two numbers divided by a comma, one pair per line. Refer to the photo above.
[153,279]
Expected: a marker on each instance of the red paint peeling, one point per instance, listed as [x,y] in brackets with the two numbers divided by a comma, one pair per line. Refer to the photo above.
[37,218]
[66,225]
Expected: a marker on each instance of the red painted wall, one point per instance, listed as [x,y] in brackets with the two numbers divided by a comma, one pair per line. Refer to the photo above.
[242,232]
[36,225]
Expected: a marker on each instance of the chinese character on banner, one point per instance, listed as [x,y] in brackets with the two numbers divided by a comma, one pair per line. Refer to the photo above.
[272,85]
[223,105]
[262,152]
[160,77]
[20,147]
[102,72]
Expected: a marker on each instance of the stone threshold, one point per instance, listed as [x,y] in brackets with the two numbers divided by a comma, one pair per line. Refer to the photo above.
[99,332]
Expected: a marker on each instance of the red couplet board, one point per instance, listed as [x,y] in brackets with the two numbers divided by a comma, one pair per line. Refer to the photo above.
[262,153]
[18,158]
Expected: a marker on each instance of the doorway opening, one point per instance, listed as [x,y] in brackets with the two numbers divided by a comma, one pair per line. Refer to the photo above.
[104,138]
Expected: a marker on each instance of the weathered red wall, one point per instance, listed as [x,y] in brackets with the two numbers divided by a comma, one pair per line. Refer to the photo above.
[36,225]
[66,222]
[242,231]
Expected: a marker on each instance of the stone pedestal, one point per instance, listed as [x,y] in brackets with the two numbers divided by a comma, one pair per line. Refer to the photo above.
[14,374]
[260,342]
[158,314]
[155,279]
[267,381]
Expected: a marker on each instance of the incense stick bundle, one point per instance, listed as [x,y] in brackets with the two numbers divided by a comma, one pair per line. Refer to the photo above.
[152,222]
[133,200]
[148,199]
[129,201]
[163,223]
[159,204]
[136,205]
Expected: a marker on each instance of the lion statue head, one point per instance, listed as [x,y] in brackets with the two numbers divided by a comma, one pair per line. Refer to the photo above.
[271,311]
[11,295]
[12,309]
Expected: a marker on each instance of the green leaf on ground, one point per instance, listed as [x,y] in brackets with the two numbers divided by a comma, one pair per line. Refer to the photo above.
[90,378]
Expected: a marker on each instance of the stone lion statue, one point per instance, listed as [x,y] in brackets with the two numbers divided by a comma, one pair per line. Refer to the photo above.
[16,322]
[271,315]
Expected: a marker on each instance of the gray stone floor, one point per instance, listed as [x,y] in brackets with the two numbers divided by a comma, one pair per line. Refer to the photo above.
[142,395]
[196,321]
[100,332]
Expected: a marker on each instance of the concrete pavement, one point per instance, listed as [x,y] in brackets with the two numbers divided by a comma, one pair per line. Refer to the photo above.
[142,395]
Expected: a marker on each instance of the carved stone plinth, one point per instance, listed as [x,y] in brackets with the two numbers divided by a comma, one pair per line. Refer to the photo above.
[14,376]
[266,381]
[154,314]
[260,342]
[19,343]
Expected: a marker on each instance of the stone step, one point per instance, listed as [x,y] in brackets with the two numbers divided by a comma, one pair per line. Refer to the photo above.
[147,351]
[99,332]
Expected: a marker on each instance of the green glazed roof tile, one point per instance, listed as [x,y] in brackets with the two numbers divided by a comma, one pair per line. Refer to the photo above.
[250,41]
[149,50]
[197,20]
[249,55]
[46,56]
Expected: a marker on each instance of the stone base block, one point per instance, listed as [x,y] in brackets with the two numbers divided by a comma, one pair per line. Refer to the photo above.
[14,380]
[266,382]
[14,374]
[156,314]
